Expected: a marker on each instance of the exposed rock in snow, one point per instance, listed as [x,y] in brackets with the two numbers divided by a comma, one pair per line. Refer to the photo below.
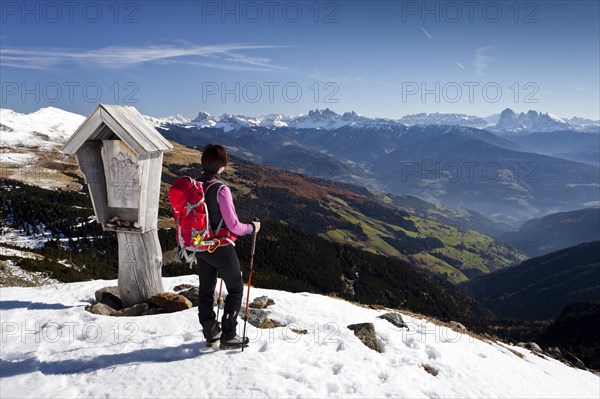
[169,302]
[395,319]
[182,287]
[367,335]
[458,325]
[192,294]
[261,302]
[109,296]
[138,309]
[100,308]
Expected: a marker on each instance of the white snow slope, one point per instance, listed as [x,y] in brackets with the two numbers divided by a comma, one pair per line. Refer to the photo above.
[47,128]
[52,347]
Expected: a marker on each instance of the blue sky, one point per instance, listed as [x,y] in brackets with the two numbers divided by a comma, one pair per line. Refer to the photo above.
[383,59]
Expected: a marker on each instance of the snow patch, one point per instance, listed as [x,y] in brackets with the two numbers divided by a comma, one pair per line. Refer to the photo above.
[16,158]
[20,239]
[5,251]
[75,354]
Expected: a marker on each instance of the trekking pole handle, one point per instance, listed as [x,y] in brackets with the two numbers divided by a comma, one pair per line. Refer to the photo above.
[254,236]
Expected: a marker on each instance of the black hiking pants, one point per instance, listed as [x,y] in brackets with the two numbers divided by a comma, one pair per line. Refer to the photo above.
[225,263]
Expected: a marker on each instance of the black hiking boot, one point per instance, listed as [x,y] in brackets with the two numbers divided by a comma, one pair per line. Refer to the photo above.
[235,343]
[212,332]
[229,339]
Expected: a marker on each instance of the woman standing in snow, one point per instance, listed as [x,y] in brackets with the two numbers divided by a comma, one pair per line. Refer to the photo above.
[223,261]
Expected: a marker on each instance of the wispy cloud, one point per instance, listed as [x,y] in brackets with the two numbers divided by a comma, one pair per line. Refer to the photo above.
[427,33]
[227,66]
[227,56]
[481,61]
[460,65]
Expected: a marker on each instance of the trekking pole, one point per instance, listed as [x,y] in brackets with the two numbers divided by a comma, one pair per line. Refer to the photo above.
[249,281]
[219,299]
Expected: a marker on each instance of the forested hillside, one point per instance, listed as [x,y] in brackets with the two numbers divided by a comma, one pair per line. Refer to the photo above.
[540,288]
[401,227]
[287,258]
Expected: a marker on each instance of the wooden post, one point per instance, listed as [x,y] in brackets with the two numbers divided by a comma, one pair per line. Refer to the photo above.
[140,265]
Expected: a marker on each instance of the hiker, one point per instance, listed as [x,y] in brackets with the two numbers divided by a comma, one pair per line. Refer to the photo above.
[223,260]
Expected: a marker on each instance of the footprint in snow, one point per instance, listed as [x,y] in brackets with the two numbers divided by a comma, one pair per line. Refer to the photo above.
[337,368]
[383,377]
[188,336]
[332,388]
[412,343]
[432,353]
[264,347]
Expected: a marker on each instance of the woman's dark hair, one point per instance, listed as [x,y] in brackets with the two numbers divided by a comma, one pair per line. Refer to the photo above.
[214,156]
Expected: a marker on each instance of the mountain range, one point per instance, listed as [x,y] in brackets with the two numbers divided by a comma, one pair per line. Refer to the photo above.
[506,180]
[506,121]
[509,178]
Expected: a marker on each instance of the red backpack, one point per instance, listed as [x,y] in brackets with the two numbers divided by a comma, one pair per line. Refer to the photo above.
[192,223]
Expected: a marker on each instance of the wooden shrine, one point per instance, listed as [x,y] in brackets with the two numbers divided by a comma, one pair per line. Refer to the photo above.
[120,155]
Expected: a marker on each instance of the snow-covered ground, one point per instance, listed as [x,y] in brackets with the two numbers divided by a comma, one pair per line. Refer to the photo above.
[20,239]
[52,347]
[16,158]
[5,251]
[45,129]
[13,275]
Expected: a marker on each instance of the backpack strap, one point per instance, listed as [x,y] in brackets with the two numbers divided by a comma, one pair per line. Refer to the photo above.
[190,259]
[212,183]
[188,206]
[221,224]
[220,184]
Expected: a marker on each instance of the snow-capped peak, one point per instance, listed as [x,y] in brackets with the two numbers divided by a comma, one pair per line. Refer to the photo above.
[319,119]
[325,114]
[555,118]
[178,119]
[444,119]
[46,128]
[584,123]
[229,122]
[532,121]
[204,119]
[275,120]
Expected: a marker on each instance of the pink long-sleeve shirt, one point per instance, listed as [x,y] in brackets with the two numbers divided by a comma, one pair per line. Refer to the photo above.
[229,214]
